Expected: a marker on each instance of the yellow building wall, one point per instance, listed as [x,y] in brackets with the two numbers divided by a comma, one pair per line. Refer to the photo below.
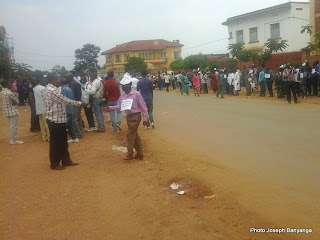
[157,63]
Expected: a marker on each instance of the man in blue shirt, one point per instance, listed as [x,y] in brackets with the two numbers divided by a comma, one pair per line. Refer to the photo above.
[145,87]
[262,82]
[67,92]
[76,116]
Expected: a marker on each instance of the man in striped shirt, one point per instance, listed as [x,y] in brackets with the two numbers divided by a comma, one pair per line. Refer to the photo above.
[57,118]
[9,100]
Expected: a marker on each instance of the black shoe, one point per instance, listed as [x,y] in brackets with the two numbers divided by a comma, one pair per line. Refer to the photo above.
[138,156]
[59,167]
[70,164]
[128,157]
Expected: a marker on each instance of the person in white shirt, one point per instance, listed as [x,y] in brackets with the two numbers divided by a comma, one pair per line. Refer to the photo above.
[166,81]
[39,96]
[236,83]
[85,87]
[97,101]
[134,82]
[230,82]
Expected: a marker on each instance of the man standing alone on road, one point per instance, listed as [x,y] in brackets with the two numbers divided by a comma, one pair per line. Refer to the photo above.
[57,119]
[133,104]
[146,90]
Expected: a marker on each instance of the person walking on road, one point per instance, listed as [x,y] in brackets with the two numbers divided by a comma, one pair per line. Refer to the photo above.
[111,91]
[196,84]
[146,90]
[133,104]
[184,83]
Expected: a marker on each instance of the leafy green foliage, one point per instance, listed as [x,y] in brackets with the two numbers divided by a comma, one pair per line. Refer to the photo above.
[86,59]
[247,55]
[196,61]
[307,28]
[213,64]
[235,49]
[135,65]
[231,64]
[177,64]
[275,45]
[61,71]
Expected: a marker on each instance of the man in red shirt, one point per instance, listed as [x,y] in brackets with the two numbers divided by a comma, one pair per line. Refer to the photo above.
[111,92]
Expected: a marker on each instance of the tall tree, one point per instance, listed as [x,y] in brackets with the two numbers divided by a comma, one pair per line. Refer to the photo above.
[87,59]
[135,65]
[61,71]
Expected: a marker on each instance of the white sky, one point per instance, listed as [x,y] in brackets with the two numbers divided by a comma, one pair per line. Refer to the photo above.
[57,28]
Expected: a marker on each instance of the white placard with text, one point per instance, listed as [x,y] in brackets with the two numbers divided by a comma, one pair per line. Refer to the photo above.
[126,104]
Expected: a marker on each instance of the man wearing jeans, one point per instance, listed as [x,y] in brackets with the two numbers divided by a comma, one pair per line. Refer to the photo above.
[97,92]
[76,116]
[146,90]
[9,100]
[111,92]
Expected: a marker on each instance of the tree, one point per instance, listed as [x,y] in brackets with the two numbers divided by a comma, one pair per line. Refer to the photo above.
[196,61]
[177,64]
[61,71]
[213,64]
[315,45]
[272,45]
[86,59]
[231,64]
[235,49]
[135,65]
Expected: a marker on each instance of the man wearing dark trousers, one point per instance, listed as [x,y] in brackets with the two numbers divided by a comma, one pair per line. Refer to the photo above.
[289,84]
[56,118]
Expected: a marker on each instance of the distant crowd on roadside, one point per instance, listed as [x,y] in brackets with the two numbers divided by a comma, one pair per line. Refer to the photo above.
[298,80]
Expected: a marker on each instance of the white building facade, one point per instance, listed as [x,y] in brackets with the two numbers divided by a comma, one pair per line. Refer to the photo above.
[283,22]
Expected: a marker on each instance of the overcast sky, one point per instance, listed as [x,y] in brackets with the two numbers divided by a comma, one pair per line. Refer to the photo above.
[57,28]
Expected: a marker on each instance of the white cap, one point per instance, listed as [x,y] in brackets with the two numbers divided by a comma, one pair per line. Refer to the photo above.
[126,79]
[44,76]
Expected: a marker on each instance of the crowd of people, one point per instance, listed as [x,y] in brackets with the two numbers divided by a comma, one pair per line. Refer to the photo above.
[56,103]
[288,80]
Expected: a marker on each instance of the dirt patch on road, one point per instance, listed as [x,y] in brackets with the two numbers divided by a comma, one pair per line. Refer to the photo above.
[106,197]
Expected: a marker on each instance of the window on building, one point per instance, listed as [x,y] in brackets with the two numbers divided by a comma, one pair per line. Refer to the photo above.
[145,55]
[239,37]
[177,55]
[275,30]
[118,58]
[253,34]
[163,55]
[126,57]
[230,35]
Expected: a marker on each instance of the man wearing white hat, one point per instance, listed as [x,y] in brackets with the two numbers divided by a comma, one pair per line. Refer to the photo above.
[133,104]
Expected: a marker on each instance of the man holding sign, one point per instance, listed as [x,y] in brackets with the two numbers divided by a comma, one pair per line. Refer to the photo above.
[133,104]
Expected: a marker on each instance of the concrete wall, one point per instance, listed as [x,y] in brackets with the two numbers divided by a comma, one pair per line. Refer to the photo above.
[290,21]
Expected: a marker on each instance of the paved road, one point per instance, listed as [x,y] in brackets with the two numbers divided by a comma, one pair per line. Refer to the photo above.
[270,151]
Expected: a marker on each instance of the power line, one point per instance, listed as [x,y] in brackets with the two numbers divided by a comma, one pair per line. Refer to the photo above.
[40,55]
[206,43]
